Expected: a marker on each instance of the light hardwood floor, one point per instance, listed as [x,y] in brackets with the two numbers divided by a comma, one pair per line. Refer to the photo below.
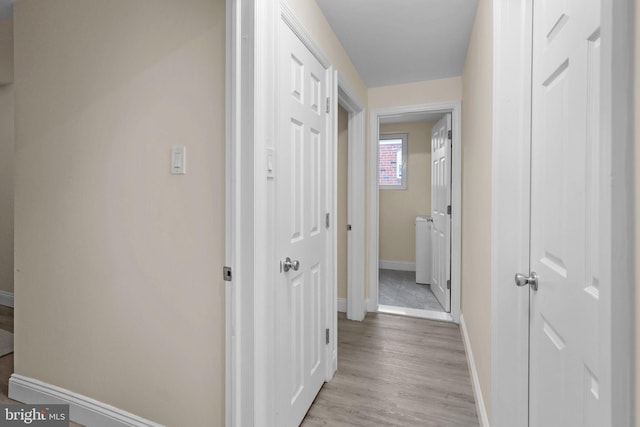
[396,371]
[392,371]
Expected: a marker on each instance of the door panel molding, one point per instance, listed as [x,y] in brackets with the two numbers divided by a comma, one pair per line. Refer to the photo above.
[510,227]
[251,128]
[302,181]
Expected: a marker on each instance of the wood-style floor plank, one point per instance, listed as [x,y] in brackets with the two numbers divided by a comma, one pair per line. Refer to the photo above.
[396,371]
[392,371]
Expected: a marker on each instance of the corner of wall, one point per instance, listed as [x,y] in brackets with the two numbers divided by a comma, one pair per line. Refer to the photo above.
[477,134]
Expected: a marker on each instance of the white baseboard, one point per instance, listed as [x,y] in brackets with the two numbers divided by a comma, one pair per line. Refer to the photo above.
[342,305]
[83,410]
[477,391]
[397,265]
[369,307]
[414,312]
[6,299]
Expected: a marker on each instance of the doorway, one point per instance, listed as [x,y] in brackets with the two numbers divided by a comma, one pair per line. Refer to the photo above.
[394,286]
[411,258]
[257,271]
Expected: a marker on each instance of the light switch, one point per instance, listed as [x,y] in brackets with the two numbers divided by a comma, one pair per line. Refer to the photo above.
[271,163]
[178,160]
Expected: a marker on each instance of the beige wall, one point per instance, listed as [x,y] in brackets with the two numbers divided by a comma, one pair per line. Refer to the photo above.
[416,93]
[314,21]
[6,188]
[399,208]
[118,291]
[477,84]
[343,200]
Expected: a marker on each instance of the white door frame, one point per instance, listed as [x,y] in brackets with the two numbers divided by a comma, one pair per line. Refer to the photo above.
[239,200]
[454,107]
[347,98]
[510,212]
[251,128]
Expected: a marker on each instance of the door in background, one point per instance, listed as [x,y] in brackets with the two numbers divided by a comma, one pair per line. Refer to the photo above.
[441,211]
[300,233]
[564,382]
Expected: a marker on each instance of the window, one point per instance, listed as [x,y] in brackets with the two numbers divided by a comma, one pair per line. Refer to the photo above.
[392,162]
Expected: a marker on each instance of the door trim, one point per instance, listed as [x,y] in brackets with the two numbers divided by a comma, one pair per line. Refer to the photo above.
[511,184]
[347,98]
[454,107]
[617,132]
[511,169]
[251,119]
[239,208]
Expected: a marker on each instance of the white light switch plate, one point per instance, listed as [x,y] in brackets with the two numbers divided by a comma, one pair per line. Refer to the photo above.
[178,160]
[271,163]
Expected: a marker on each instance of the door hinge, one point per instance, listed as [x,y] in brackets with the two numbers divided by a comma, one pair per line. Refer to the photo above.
[327,219]
[449,210]
[449,284]
[349,227]
[328,105]
[327,334]
[450,135]
[226,274]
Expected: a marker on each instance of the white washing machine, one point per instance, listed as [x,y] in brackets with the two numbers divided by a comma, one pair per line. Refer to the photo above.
[423,249]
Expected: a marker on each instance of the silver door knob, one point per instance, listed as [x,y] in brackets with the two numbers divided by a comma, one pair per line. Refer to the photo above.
[522,280]
[287,265]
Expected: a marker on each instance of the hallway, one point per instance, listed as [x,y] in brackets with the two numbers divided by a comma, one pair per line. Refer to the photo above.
[400,371]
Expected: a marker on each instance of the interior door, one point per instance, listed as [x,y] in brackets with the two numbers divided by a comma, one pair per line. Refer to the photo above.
[301,231]
[564,371]
[441,211]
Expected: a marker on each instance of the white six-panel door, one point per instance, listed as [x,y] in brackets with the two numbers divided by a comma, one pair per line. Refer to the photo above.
[564,366]
[300,232]
[440,201]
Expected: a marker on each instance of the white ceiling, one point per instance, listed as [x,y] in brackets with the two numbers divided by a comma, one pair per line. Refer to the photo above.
[402,41]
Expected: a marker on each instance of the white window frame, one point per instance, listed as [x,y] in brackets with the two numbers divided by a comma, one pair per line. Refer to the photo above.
[405,160]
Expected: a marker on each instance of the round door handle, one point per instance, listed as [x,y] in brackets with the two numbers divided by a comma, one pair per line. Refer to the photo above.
[287,265]
[522,280]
